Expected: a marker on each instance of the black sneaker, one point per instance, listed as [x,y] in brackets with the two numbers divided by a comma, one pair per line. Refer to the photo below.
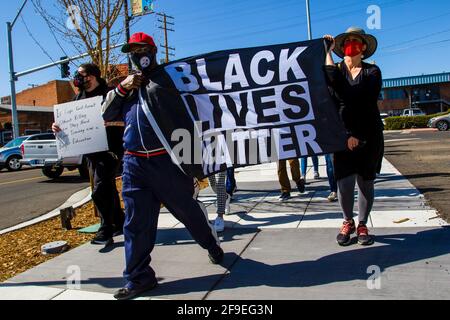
[285,196]
[216,255]
[127,293]
[101,238]
[301,186]
[347,229]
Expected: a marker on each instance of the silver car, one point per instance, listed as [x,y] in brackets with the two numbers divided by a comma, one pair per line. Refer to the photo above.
[442,123]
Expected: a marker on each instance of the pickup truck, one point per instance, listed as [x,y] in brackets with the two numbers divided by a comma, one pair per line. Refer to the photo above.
[413,112]
[43,154]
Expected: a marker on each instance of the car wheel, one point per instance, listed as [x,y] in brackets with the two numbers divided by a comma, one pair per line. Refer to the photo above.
[52,172]
[442,125]
[13,163]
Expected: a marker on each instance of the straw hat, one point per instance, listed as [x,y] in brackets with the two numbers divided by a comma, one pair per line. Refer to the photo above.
[368,39]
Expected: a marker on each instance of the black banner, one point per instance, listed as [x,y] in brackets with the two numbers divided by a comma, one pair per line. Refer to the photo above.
[244,107]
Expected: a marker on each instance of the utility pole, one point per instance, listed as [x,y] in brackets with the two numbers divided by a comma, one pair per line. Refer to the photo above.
[166,38]
[127,30]
[308,17]
[12,74]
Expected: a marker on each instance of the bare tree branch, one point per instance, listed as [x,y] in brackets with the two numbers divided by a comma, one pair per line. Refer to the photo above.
[97,27]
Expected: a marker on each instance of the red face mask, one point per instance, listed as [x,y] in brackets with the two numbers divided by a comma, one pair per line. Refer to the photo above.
[353,48]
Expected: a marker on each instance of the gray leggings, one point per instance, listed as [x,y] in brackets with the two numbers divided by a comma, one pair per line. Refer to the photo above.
[346,196]
[217,183]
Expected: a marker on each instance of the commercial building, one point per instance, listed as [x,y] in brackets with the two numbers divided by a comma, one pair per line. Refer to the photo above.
[431,93]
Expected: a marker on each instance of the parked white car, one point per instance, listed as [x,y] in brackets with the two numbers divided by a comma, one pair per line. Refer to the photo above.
[43,154]
[442,123]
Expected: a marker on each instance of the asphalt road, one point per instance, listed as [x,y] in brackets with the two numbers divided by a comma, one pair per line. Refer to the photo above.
[27,194]
[423,157]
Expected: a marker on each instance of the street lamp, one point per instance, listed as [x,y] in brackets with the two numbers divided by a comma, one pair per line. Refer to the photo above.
[308,17]
[12,74]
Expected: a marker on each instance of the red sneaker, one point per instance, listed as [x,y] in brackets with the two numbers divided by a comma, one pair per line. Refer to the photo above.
[363,235]
[347,229]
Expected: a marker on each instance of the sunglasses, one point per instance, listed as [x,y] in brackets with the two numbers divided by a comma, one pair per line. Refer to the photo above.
[140,50]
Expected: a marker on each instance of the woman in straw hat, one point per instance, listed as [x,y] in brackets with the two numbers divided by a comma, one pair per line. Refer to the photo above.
[356,85]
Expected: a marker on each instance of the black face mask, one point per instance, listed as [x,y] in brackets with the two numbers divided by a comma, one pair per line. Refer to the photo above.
[79,81]
[142,61]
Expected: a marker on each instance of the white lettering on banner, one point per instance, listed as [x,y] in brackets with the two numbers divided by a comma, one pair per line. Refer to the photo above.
[291,63]
[180,73]
[220,151]
[283,138]
[210,86]
[185,77]
[283,104]
[254,67]
[240,137]
[248,113]
[234,72]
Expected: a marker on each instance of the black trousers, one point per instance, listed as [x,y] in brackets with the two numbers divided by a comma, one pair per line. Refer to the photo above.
[103,166]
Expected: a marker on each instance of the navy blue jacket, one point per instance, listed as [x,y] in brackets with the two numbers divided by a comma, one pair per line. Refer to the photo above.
[139,134]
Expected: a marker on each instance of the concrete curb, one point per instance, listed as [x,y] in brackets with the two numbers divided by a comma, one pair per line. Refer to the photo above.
[412,130]
[76,200]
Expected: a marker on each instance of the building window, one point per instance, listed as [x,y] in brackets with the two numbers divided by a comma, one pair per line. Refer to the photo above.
[29,132]
[397,94]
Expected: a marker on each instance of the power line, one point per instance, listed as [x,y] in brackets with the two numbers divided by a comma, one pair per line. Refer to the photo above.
[36,9]
[35,41]
[416,39]
[227,35]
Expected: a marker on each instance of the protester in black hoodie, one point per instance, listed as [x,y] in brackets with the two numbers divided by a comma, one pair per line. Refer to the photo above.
[102,165]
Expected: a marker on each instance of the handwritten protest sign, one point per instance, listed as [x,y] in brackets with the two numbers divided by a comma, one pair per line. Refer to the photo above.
[82,128]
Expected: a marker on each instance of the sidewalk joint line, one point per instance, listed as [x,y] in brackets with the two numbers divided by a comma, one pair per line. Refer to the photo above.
[228,270]
[306,209]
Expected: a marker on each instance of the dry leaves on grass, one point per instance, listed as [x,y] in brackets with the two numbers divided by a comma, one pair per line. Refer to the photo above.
[21,250]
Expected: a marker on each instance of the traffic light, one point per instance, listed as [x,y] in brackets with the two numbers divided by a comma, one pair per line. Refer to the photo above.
[65,69]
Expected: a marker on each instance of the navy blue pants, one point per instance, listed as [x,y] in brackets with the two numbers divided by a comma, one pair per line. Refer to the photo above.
[146,184]
[330,173]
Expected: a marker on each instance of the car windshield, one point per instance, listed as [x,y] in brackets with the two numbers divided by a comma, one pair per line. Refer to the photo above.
[16,142]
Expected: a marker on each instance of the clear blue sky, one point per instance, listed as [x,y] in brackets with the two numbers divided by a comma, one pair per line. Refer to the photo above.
[414,37]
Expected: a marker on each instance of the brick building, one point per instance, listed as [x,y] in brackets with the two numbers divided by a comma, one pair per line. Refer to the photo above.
[431,93]
[32,120]
[47,95]
[35,107]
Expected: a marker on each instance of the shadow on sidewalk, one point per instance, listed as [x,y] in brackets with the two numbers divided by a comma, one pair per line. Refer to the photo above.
[395,250]
[345,266]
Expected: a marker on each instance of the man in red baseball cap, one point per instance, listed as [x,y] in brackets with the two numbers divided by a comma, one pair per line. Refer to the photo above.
[149,175]
[138,38]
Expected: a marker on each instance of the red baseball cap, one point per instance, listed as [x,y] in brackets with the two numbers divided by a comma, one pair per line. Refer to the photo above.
[138,38]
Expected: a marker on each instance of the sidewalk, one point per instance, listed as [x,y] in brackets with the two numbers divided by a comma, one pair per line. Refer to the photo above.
[273,250]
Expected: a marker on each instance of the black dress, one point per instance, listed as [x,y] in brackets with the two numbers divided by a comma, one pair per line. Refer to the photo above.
[358,106]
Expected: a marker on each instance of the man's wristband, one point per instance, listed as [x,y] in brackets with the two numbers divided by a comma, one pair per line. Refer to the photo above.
[122,91]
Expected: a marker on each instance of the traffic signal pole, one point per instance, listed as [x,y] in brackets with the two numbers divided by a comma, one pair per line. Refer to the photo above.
[127,31]
[12,75]
[56,63]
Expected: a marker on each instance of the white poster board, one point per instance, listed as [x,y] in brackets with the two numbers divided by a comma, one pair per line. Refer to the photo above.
[82,128]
